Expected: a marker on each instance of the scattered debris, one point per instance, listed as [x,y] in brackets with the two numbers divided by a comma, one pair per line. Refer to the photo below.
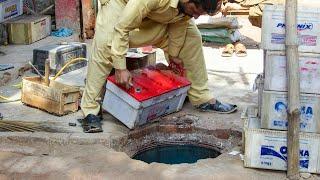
[6,77]
[62,32]
[234,153]
[72,124]
[4,67]
[305,175]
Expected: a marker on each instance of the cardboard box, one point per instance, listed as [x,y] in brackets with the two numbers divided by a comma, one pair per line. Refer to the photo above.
[273,28]
[267,149]
[10,9]
[154,93]
[274,111]
[276,72]
[28,29]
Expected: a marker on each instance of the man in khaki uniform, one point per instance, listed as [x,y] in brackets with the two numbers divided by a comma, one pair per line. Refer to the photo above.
[165,24]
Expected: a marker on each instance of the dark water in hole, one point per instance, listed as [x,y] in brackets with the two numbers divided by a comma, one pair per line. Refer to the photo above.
[176,154]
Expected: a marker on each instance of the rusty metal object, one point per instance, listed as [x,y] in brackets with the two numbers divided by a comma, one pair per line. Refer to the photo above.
[88,18]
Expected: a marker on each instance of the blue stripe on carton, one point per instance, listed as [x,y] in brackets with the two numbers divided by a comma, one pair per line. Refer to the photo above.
[269,151]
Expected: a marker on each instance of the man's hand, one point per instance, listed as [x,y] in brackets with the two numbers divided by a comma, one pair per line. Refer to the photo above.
[123,77]
[176,65]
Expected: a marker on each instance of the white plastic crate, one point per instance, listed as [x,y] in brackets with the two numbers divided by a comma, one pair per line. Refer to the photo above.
[132,111]
[274,111]
[276,72]
[10,9]
[273,28]
[267,149]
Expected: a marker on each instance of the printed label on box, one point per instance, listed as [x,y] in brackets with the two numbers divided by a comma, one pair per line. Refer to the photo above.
[273,28]
[11,8]
[279,115]
[269,154]
[309,73]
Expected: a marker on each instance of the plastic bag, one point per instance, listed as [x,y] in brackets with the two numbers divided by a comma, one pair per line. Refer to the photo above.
[217,22]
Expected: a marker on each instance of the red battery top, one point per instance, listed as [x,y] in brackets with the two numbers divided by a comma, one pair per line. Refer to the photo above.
[149,83]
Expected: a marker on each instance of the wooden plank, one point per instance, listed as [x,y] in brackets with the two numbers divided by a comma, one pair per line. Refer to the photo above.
[72,107]
[293,89]
[71,97]
[42,103]
[89,18]
[41,90]
[47,72]
[63,87]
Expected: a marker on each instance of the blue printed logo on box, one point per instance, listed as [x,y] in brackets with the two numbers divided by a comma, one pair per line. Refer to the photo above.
[300,27]
[11,10]
[267,151]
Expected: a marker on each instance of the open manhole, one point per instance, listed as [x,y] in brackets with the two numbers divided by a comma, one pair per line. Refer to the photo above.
[176,140]
[176,154]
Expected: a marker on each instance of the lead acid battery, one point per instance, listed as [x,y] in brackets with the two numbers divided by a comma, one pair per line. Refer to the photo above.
[59,55]
[154,93]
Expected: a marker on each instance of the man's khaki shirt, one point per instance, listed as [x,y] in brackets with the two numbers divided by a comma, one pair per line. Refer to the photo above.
[136,14]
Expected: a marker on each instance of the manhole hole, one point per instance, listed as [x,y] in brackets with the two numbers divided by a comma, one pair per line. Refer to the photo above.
[176,154]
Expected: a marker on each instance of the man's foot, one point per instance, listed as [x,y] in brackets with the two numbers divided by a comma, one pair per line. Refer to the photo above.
[218,107]
[91,124]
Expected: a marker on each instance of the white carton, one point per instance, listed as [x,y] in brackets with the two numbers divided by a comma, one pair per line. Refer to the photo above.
[276,72]
[267,149]
[273,28]
[274,111]
[10,9]
[132,112]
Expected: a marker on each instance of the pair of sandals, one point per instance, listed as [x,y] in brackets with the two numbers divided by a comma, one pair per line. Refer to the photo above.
[239,49]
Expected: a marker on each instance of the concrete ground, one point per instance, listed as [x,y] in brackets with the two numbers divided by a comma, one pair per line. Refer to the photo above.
[71,154]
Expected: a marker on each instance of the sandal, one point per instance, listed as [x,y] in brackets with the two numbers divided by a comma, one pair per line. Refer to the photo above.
[218,107]
[240,50]
[91,124]
[228,50]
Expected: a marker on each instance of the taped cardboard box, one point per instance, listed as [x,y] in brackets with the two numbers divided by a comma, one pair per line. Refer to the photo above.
[28,29]
[276,72]
[273,28]
[267,149]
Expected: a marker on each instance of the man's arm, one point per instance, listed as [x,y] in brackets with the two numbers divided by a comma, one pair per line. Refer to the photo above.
[131,19]
[177,35]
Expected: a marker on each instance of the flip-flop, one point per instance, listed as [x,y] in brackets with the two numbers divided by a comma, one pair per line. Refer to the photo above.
[240,50]
[90,127]
[218,107]
[228,50]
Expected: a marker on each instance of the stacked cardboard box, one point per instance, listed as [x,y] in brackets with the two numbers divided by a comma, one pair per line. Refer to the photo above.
[265,132]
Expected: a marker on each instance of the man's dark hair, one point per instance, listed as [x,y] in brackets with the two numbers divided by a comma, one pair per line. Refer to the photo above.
[210,6]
